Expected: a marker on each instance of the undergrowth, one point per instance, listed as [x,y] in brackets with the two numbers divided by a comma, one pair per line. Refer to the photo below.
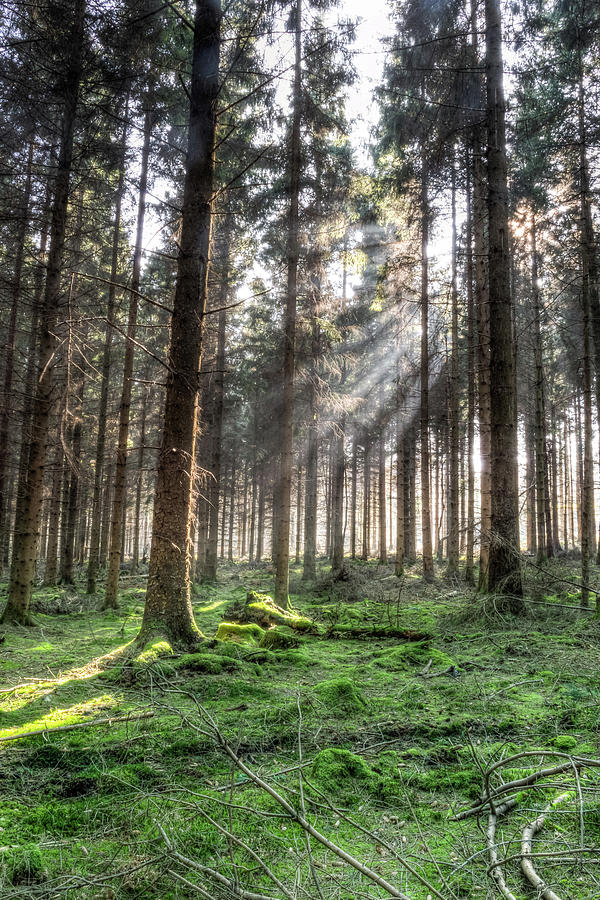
[391,737]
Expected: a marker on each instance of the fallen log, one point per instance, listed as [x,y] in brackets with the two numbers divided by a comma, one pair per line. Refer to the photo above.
[109,720]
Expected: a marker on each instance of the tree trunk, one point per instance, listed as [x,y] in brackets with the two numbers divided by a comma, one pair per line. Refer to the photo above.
[50,568]
[353,494]
[471,367]
[231,505]
[541,468]
[298,513]
[366,536]
[99,467]
[339,472]
[111,598]
[7,396]
[425,486]
[32,359]
[75,464]
[213,415]
[24,560]
[135,556]
[453,407]
[168,607]
[382,496]
[400,489]
[504,574]
[287,419]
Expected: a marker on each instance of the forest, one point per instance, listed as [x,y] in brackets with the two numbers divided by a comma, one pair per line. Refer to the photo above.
[300,449]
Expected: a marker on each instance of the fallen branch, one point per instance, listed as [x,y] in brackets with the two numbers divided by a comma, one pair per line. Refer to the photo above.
[111,720]
[206,870]
[528,834]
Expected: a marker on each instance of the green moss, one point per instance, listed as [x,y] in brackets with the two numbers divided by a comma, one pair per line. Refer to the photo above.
[564,742]
[411,655]
[208,663]
[240,634]
[265,612]
[22,865]
[152,653]
[341,772]
[280,637]
[340,696]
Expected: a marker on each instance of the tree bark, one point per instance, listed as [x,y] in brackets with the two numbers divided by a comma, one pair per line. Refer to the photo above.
[453,547]
[541,467]
[282,550]
[504,574]
[471,368]
[111,597]
[382,497]
[99,467]
[24,560]
[168,608]
[135,557]
[213,415]
[339,473]
[425,475]
[7,397]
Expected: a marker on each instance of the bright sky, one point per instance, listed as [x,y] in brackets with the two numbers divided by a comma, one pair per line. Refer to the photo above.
[369,58]
[362,113]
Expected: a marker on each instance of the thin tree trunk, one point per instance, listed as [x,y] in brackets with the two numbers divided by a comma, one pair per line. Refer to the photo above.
[287,419]
[99,467]
[51,567]
[400,489]
[541,469]
[32,360]
[339,472]
[298,513]
[425,488]
[73,488]
[471,350]
[453,406]
[382,509]
[111,599]
[231,506]
[135,556]
[213,416]
[7,396]
[353,494]
[366,549]
[24,560]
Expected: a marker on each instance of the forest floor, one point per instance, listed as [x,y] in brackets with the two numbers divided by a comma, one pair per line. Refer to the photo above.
[381,740]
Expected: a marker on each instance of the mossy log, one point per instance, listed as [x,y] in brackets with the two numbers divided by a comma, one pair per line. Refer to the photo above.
[362,632]
[260,609]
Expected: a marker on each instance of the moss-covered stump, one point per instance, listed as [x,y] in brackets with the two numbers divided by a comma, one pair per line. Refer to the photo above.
[280,637]
[250,633]
[260,609]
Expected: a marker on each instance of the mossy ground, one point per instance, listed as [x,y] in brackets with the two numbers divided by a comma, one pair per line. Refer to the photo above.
[393,750]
